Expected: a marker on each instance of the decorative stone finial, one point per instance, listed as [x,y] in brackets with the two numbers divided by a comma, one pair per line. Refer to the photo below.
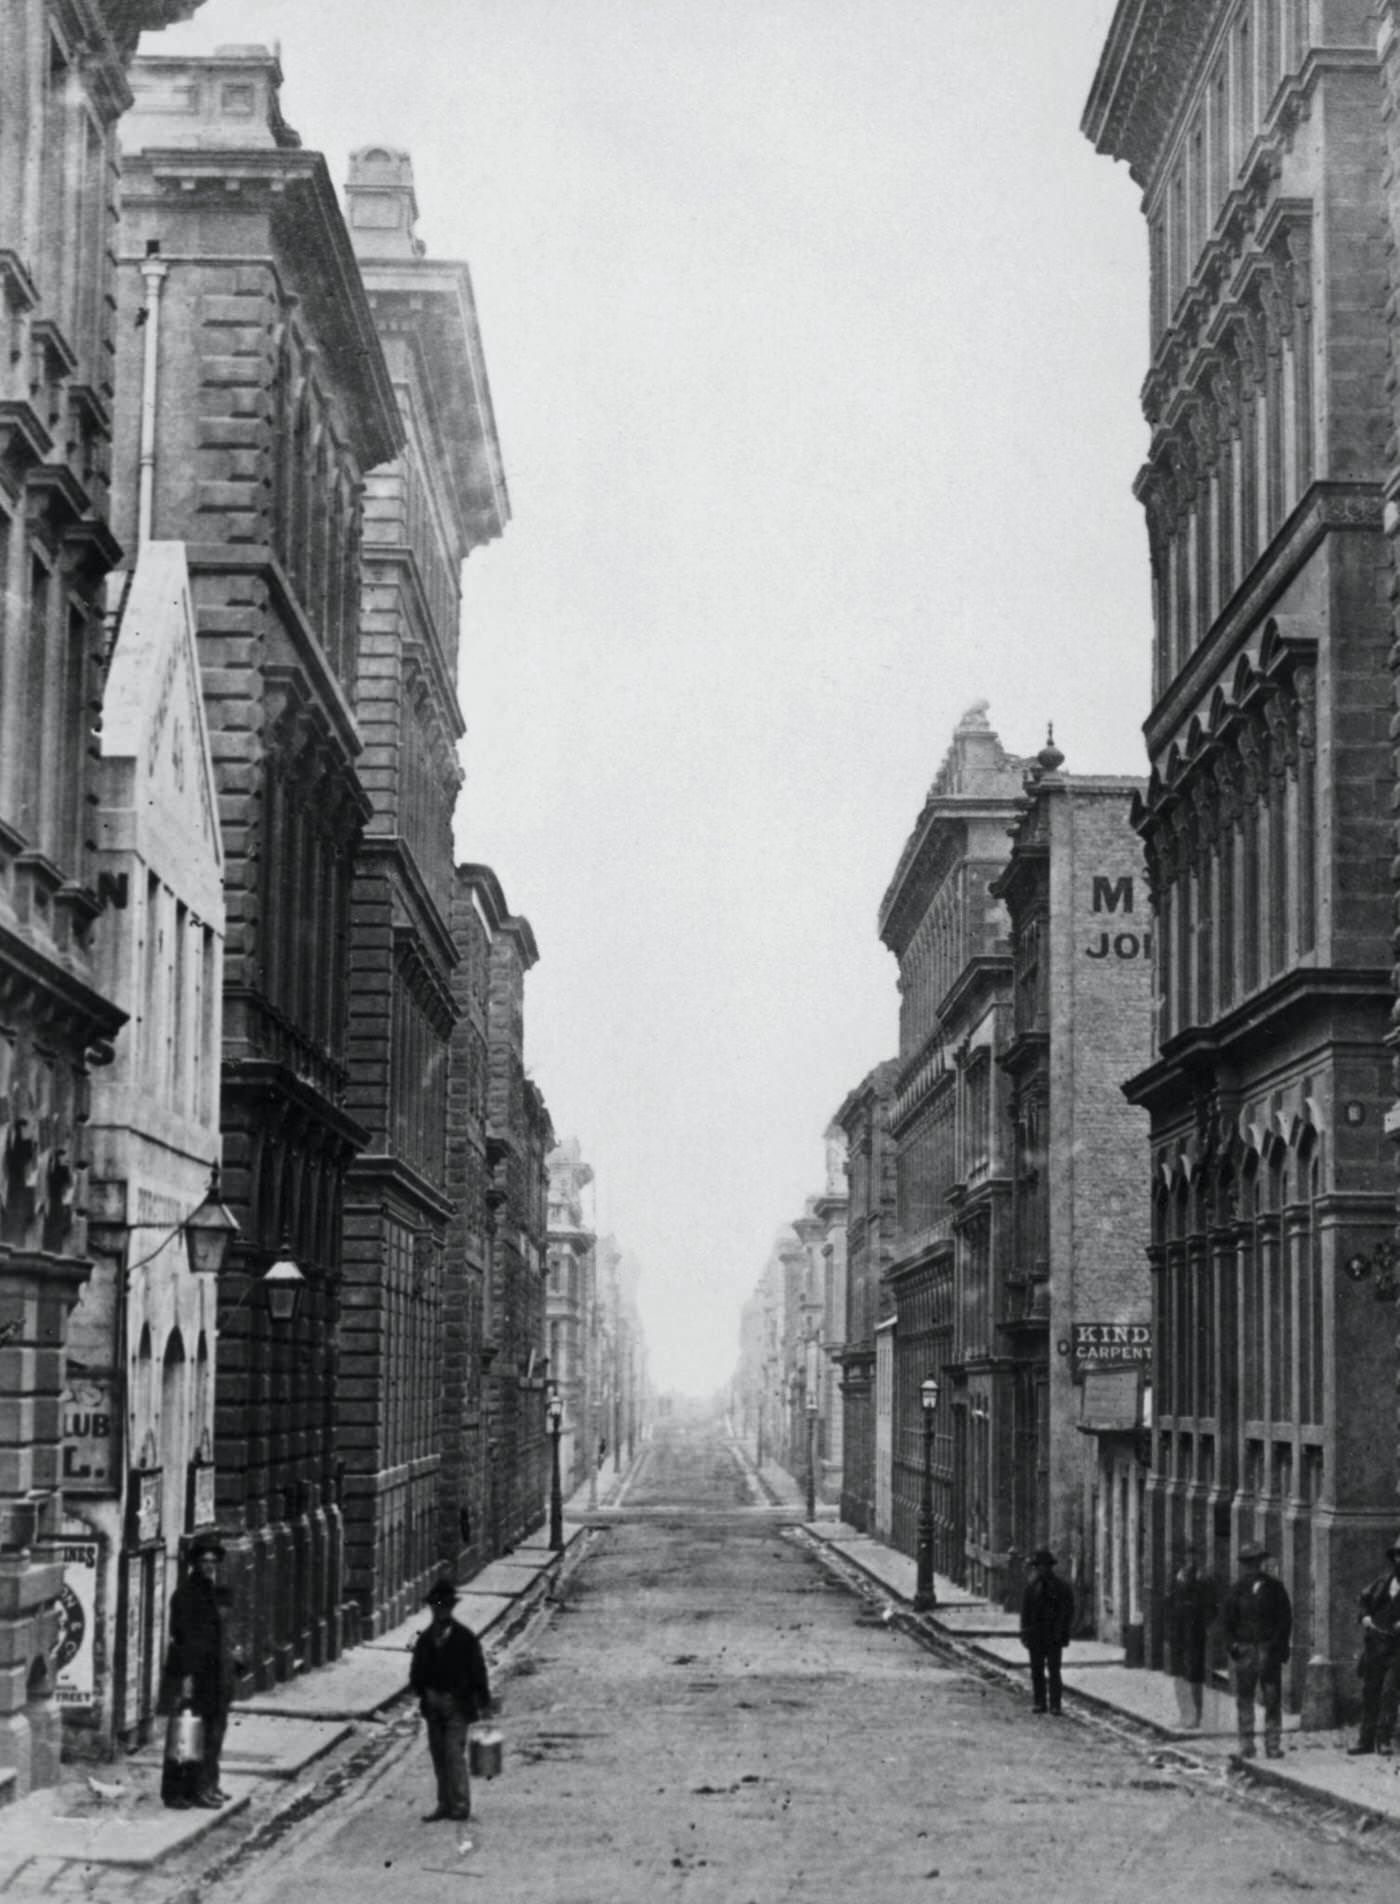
[975,717]
[1050,758]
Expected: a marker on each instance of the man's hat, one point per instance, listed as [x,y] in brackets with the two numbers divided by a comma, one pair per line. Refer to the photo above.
[441,1593]
[204,1544]
[1253,1551]
[1042,1557]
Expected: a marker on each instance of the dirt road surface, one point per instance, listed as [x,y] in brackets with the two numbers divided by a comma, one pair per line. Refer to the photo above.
[708,1715]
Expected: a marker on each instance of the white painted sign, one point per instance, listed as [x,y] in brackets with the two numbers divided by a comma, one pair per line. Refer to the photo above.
[73,1657]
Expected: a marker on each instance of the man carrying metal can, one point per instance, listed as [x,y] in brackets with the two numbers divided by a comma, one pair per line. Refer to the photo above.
[449,1676]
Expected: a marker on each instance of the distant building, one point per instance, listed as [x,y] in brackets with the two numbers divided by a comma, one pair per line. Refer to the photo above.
[1078,1296]
[571,1312]
[870,1217]
[518,1138]
[1263,140]
[943,922]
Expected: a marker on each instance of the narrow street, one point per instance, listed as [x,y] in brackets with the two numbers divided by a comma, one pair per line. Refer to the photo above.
[709,1715]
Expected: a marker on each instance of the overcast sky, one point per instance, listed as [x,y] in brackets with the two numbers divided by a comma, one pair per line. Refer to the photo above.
[815,330]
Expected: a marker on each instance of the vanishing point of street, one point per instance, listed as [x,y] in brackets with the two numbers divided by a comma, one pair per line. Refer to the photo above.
[709,1714]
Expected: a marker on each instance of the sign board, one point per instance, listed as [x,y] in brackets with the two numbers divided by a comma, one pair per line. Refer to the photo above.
[146,1487]
[74,1654]
[90,1452]
[133,1656]
[1110,1345]
[201,1494]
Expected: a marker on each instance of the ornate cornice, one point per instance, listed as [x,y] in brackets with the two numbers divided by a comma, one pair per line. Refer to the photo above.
[1326,508]
[1153,52]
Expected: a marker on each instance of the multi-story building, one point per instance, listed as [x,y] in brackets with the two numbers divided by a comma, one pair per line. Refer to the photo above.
[943,922]
[1078,1277]
[138,1405]
[259,399]
[424,513]
[864,1120]
[571,1313]
[63,86]
[1257,131]
[463,1532]
[760,1353]
[518,1138]
[820,1319]
[621,1349]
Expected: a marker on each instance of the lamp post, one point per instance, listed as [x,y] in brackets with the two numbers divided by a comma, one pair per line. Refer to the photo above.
[924,1594]
[811,1399]
[555,1411]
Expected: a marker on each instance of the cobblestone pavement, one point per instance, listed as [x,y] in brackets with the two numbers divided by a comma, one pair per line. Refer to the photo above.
[709,1715]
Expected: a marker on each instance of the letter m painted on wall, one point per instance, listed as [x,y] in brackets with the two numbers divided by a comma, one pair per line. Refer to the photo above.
[1111,894]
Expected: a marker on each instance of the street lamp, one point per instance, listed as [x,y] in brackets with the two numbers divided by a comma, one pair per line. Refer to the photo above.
[924,1594]
[283,1285]
[555,1412]
[211,1229]
[812,1453]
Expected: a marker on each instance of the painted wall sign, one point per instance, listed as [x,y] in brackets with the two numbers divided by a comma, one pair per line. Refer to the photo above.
[1110,1345]
[91,1456]
[74,1654]
[1115,893]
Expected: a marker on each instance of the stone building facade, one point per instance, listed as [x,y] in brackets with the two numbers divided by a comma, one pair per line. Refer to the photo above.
[1257,132]
[571,1313]
[139,1397]
[518,1139]
[829,1209]
[270,401]
[864,1120]
[949,932]
[424,513]
[1077,1311]
[63,87]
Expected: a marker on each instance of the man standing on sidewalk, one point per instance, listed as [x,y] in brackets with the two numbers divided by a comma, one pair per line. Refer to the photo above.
[449,1676]
[200,1672]
[1379,1664]
[1258,1623]
[1047,1614]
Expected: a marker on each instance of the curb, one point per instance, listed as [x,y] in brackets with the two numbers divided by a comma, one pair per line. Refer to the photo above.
[1268,1777]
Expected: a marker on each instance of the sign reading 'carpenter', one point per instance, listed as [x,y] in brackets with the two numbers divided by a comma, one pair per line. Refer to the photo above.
[1111,1345]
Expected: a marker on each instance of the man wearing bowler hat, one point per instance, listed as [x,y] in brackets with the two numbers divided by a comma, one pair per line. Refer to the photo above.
[200,1672]
[449,1676]
[1379,1664]
[1257,1619]
[1047,1614]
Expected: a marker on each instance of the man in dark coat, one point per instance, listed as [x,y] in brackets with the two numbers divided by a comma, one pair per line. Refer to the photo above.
[1192,1604]
[1047,1614]
[1379,1664]
[200,1672]
[449,1676]
[1257,1619]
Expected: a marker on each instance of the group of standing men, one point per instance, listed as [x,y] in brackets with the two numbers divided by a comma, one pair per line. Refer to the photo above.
[1256,1623]
[447,1672]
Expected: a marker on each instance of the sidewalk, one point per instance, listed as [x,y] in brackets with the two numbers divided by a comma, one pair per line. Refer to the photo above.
[111,1815]
[1314,1766]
